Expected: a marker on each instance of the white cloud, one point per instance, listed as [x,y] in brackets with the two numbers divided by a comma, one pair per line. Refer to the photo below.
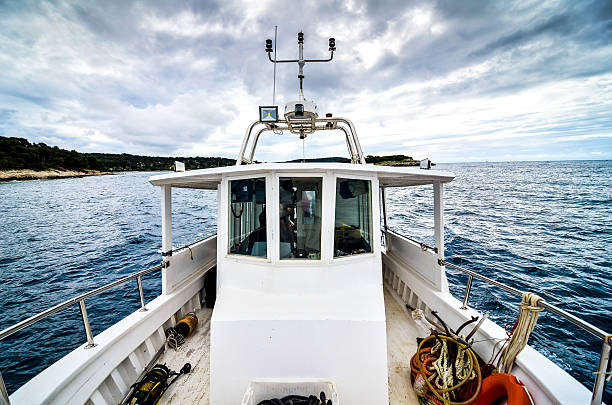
[476,84]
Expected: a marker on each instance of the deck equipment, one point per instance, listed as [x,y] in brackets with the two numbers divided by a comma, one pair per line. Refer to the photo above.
[150,389]
[177,334]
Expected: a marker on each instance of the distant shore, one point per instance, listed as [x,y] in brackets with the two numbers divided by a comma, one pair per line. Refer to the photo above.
[27,174]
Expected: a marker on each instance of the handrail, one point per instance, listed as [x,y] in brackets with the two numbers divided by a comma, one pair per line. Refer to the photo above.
[189,245]
[592,329]
[604,359]
[80,300]
[424,246]
[606,348]
[74,300]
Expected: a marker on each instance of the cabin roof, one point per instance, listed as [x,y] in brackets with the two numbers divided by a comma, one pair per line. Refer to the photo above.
[388,176]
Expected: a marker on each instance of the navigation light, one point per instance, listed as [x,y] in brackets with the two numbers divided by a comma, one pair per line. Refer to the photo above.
[332,44]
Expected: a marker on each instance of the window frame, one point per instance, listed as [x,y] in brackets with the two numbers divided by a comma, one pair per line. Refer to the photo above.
[269,232]
[328,196]
[374,216]
[319,179]
[325,178]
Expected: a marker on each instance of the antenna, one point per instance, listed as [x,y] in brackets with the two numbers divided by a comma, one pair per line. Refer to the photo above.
[274,85]
[300,61]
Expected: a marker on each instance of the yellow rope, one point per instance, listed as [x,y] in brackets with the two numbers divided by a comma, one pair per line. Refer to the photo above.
[442,394]
[527,319]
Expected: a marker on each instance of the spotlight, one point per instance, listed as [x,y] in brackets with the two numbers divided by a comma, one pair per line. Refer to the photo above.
[332,44]
[268,113]
[269,45]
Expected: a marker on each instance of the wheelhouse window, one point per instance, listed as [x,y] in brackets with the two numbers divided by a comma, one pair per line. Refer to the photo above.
[247,217]
[300,218]
[353,223]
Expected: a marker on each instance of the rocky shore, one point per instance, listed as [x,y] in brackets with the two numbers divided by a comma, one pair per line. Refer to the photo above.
[26,174]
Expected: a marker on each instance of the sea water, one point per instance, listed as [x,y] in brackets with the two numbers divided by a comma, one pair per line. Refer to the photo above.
[545,227]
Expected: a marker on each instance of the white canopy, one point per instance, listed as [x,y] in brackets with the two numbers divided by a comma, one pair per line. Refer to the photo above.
[388,176]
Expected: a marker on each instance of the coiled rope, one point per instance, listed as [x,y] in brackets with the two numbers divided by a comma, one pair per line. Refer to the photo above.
[443,370]
[527,319]
[176,335]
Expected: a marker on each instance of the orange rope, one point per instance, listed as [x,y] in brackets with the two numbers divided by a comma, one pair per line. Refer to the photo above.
[427,360]
[421,362]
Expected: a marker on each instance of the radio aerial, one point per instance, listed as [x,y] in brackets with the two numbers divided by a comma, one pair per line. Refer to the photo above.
[301,61]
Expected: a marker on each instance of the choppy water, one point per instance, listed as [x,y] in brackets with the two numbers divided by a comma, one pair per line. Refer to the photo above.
[540,226]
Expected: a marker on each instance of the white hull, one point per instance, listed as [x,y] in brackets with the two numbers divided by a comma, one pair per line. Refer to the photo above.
[103,374]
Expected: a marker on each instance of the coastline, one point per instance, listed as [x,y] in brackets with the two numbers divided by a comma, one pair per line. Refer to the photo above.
[27,174]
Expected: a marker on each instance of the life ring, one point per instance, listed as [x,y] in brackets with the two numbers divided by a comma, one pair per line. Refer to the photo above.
[501,385]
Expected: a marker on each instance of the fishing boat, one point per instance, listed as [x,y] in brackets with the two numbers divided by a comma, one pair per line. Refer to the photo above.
[303,290]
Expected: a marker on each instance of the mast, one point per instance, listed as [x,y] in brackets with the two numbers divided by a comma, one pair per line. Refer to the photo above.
[301,61]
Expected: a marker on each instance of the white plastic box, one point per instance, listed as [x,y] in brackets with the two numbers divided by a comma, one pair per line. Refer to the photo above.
[262,389]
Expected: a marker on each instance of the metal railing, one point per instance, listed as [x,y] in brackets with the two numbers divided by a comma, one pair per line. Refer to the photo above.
[604,359]
[80,301]
[424,246]
[190,244]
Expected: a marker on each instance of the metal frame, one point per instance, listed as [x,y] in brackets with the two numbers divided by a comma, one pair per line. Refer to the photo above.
[301,61]
[4,399]
[307,122]
[80,300]
[308,125]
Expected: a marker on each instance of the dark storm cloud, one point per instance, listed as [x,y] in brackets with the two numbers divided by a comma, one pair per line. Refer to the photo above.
[560,38]
[559,25]
[185,77]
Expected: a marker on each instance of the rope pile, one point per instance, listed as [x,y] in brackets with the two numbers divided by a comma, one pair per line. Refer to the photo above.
[445,371]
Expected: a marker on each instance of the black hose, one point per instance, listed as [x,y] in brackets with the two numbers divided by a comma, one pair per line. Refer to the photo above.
[298,400]
[435,313]
[466,323]
[184,370]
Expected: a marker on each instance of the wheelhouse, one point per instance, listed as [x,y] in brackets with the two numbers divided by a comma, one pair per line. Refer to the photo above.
[299,281]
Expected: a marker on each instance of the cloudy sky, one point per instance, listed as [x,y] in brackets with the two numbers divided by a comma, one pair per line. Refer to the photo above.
[450,80]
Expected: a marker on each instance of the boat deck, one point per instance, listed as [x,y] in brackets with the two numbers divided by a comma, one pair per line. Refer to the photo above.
[194,387]
[401,346]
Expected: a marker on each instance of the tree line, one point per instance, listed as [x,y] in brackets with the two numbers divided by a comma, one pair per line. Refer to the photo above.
[126,162]
[19,153]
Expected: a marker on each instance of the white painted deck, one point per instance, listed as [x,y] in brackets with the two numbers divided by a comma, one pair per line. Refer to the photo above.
[401,346]
[193,388]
